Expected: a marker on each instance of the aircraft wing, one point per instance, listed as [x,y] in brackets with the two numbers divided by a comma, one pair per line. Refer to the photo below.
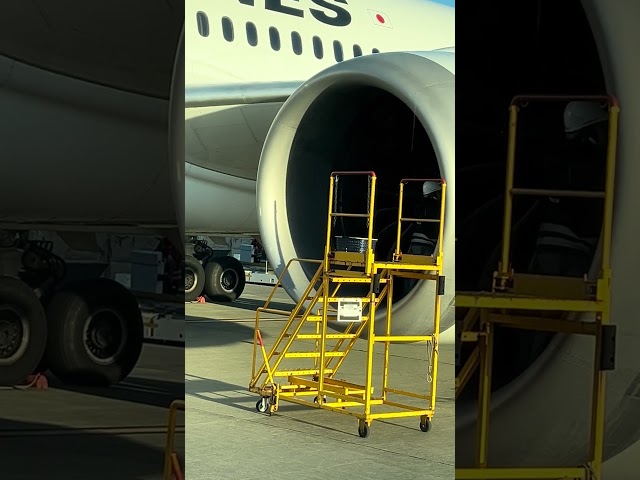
[238,93]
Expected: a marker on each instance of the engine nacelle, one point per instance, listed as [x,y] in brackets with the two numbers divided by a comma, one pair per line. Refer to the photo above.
[393,113]
[542,418]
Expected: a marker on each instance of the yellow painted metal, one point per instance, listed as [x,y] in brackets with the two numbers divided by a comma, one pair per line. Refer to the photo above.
[313,354]
[403,338]
[387,342]
[408,267]
[176,405]
[469,336]
[329,336]
[409,412]
[541,192]
[573,473]
[545,324]
[515,298]
[504,265]
[408,394]
[497,300]
[264,356]
[317,307]
[343,404]
[299,371]
[330,385]
[467,370]
[486,360]
[337,299]
[270,298]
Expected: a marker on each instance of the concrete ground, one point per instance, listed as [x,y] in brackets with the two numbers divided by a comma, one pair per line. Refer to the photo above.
[228,439]
[94,433]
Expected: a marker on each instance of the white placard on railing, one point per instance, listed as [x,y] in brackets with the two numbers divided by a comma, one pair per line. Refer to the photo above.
[349,310]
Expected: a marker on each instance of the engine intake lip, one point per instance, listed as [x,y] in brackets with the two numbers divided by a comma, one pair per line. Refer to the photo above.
[425,83]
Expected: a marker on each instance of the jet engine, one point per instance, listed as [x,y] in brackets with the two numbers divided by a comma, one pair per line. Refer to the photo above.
[393,113]
[542,417]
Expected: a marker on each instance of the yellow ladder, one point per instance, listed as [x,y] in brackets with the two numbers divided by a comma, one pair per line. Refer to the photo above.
[515,296]
[346,262]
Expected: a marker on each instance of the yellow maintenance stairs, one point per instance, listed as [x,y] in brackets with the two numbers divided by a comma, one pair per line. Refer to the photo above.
[172,468]
[310,373]
[520,301]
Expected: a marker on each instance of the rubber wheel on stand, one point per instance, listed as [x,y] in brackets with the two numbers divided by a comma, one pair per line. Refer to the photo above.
[263,405]
[425,424]
[363,429]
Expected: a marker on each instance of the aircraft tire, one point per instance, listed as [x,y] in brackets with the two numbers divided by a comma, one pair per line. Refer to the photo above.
[23,331]
[95,333]
[225,280]
[194,278]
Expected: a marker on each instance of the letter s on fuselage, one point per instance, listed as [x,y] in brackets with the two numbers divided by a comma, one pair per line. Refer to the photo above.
[342,17]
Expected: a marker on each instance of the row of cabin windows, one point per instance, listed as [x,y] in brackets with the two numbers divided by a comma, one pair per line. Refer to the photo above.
[274,38]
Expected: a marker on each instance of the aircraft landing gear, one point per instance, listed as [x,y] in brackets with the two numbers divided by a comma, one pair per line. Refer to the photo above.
[23,330]
[96,333]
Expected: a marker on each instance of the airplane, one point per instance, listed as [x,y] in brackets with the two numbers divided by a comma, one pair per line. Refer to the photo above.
[541,413]
[87,111]
[279,94]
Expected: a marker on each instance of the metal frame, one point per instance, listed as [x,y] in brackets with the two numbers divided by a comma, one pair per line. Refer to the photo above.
[320,381]
[171,464]
[515,296]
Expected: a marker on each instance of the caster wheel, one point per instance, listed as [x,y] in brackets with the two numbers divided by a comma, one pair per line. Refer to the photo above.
[363,430]
[425,424]
[263,405]
[324,399]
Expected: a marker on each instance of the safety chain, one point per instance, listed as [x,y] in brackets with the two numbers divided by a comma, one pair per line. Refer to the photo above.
[591,475]
[431,346]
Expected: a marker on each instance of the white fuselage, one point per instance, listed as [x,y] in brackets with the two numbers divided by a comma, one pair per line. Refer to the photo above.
[223,143]
[85,112]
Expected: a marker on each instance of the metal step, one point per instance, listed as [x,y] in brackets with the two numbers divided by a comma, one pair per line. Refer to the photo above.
[313,354]
[328,336]
[330,318]
[301,371]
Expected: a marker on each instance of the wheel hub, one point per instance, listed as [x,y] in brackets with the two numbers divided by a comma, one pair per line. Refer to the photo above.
[229,280]
[104,336]
[189,280]
[14,335]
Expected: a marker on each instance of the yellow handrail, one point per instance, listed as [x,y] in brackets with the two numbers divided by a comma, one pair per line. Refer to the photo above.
[440,220]
[504,267]
[171,433]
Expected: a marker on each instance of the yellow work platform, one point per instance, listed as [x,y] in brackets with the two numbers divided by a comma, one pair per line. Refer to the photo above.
[320,304]
[525,301]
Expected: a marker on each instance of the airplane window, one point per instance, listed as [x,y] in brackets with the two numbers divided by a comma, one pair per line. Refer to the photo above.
[296,43]
[337,50]
[317,48]
[375,50]
[252,34]
[203,24]
[274,36]
[357,51]
[227,29]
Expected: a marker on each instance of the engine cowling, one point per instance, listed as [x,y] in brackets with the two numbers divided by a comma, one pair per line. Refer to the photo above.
[542,418]
[393,113]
